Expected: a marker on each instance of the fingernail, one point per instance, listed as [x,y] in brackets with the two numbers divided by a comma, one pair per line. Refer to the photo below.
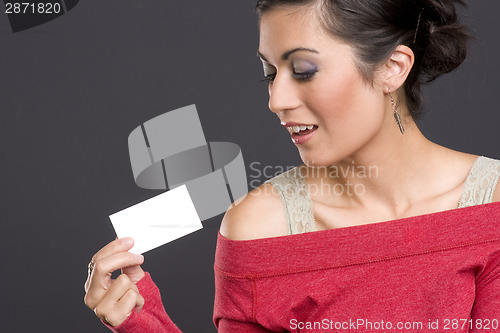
[139,257]
[127,241]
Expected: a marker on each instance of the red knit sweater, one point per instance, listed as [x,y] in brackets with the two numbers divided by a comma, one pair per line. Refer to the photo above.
[437,272]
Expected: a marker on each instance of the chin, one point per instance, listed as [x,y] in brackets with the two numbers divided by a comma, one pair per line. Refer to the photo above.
[315,160]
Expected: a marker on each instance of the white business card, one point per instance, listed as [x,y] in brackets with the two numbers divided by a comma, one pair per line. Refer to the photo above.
[157,221]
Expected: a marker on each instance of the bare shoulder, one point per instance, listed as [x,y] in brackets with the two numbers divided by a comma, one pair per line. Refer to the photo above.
[496,194]
[496,191]
[259,214]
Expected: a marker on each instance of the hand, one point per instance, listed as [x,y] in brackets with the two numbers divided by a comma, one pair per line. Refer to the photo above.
[114,300]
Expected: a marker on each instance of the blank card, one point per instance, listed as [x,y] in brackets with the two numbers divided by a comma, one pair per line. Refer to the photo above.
[157,221]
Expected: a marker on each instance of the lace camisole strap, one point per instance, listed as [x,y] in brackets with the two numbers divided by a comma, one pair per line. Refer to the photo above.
[481,182]
[297,203]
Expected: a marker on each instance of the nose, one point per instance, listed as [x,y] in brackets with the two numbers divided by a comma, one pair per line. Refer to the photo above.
[283,95]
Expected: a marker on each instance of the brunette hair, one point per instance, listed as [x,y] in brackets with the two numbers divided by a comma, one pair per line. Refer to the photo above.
[374,28]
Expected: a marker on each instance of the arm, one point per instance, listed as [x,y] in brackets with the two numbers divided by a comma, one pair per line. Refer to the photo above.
[486,308]
[259,214]
[131,302]
[229,325]
[485,313]
[262,206]
[234,305]
[152,318]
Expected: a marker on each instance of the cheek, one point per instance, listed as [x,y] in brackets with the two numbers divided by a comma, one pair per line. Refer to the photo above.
[343,101]
[349,111]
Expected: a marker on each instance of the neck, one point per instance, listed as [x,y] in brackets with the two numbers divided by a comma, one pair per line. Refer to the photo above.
[393,170]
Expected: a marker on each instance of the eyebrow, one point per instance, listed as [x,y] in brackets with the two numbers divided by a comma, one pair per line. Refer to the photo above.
[288,53]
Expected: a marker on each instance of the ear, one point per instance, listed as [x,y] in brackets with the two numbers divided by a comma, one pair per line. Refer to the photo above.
[397,67]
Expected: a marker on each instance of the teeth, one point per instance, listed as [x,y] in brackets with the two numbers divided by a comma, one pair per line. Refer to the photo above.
[297,129]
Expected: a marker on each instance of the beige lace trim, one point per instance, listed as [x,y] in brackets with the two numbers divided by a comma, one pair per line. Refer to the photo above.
[479,187]
[295,197]
[480,183]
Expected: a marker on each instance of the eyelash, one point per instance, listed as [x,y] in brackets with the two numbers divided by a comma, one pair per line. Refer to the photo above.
[299,76]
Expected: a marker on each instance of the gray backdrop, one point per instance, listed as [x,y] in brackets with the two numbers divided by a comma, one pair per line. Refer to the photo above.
[74,88]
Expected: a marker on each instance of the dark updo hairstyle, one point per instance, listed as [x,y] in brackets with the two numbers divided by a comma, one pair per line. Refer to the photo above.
[374,28]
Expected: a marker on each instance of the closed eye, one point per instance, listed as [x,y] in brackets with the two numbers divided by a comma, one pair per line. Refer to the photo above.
[299,76]
[304,76]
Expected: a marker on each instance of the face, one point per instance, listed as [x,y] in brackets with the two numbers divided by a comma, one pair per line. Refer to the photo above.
[313,81]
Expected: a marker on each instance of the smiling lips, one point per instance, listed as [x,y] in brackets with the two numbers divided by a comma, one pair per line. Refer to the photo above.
[300,132]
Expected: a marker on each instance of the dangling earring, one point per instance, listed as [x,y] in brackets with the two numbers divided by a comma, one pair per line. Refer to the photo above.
[396,114]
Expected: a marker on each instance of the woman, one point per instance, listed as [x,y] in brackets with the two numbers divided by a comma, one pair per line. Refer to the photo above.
[366,234]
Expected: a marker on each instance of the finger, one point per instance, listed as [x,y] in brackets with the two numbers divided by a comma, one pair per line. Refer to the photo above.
[119,301]
[105,309]
[123,308]
[135,273]
[140,300]
[114,262]
[100,279]
[116,246]
[130,301]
